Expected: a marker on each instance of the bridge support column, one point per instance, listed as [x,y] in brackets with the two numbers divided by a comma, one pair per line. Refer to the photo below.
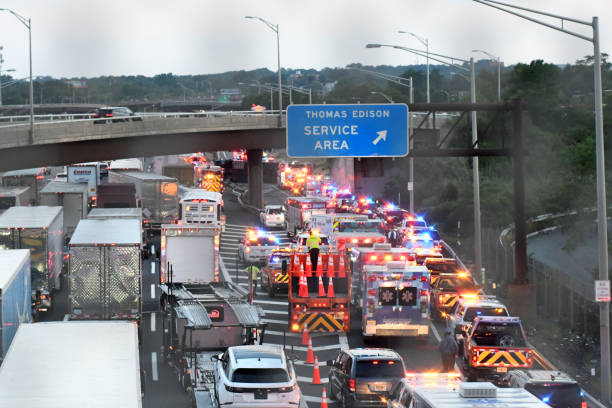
[256,197]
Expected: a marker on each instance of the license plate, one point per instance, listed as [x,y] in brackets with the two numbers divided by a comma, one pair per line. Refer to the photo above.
[382,387]
[261,394]
[502,369]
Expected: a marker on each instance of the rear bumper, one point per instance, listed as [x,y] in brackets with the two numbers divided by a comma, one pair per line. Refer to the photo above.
[393,329]
[356,402]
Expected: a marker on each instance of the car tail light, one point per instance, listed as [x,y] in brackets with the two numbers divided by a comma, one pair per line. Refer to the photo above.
[424,293]
[352,385]
[96,115]
[109,115]
[371,278]
[423,278]
[583,404]
[372,292]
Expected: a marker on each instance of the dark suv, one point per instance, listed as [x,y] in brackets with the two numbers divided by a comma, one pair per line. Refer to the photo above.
[364,377]
[555,388]
[115,114]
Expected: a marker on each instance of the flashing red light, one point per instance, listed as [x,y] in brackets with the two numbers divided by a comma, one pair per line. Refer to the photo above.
[109,115]
[372,292]
[352,385]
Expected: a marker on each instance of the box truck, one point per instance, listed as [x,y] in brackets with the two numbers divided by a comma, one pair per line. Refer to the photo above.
[15,295]
[71,196]
[15,196]
[191,252]
[116,195]
[40,230]
[158,195]
[105,270]
[35,178]
[120,214]
[81,364]
[87,175]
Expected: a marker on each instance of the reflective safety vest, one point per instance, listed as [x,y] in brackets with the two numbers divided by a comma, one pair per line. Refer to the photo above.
[253,270]
[313,241]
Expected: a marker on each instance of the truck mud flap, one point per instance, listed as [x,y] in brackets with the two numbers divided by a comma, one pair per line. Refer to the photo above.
[323,322]
[503,358]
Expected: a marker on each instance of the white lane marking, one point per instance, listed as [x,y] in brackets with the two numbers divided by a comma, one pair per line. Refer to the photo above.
[153,321]
[153,268]
[435,332]
[230,245]
[154,366]
[308,380]
[270,302]
[303,363]
[316,400]
[304,348]
[153,250]
[152,291]
[343,341]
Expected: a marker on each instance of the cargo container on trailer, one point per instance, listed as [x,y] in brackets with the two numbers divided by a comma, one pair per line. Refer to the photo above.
[15,295]
[105,270]
[158,195]
[71,196]
[39,229]
[35,178]
[81,364]
[15,197]
[85,174]
[116,195]
[184,173]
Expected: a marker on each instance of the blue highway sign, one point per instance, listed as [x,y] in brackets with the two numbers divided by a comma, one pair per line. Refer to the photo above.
[347,130]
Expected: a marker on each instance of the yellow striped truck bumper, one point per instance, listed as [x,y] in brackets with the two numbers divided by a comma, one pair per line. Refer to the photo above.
[321,322]
[501,358]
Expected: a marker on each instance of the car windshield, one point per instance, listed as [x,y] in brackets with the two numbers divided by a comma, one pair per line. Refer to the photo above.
[499,334]
[275,211]
[379,369]
[472,312]
[260,375]
[442,267]
[456,284]
[557,395]
[359,226]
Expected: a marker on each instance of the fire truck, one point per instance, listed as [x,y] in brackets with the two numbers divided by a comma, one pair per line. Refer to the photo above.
[319,299]
[300,210]
[209,177]
[293,176]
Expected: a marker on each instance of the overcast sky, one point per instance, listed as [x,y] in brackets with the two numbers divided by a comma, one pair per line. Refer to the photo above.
[72,38]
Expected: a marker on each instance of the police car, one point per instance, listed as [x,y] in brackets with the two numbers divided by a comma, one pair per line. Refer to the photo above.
[256,246]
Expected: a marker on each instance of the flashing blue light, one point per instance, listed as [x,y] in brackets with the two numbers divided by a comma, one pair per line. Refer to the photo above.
[352,197]
[426,236]
[421,219]
[479,312]
[581,393]
[369,201]
[274,259]
[546,399]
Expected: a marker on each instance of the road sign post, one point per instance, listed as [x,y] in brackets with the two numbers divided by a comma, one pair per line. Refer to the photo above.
[347,130]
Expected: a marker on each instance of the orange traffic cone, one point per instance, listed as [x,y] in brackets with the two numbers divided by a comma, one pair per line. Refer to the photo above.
[321,288]
[309,353]
[330,289]
[303,292]
[308,269]
[319,269]
[331,270]
[341,270]
[296,263]
[305,336]
[324,399]
[316,376]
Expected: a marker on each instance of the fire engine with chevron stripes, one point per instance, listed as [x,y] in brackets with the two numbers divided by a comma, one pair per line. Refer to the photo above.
[319,298]
[492,345]
[209,177]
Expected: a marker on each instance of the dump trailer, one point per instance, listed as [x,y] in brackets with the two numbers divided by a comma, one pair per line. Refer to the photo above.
[183,173]
[71,196]
[105,270]
[38,229]
[189,253]
[200,321]
[158,195]
[81,364]
[35,178]
[15,197]
[116,195]
[15,295]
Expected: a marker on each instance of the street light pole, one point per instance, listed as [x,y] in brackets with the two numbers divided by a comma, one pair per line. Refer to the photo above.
[602,216]
[425,42]
[274,27]
[498,60]
[411,159]
[28,24]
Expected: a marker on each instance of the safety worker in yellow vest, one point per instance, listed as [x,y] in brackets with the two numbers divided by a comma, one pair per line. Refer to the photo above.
[313,242]
[253,271]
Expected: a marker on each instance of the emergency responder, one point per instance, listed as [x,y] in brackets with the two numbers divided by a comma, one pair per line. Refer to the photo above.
[448,350]
[392,237]
[253,271]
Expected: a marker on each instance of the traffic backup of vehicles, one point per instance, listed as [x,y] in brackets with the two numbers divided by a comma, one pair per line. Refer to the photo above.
[105,270]
[38,229]
[256,246]
[492,345]
[81,364]
[256,376]
[364,377]
[446,291]
[273,216]
[35,178]
[15,295]
[202,207]
[190,252]
[319,299]
[300,210]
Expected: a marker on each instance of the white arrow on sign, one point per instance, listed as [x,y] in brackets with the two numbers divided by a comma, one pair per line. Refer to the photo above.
[381,135]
